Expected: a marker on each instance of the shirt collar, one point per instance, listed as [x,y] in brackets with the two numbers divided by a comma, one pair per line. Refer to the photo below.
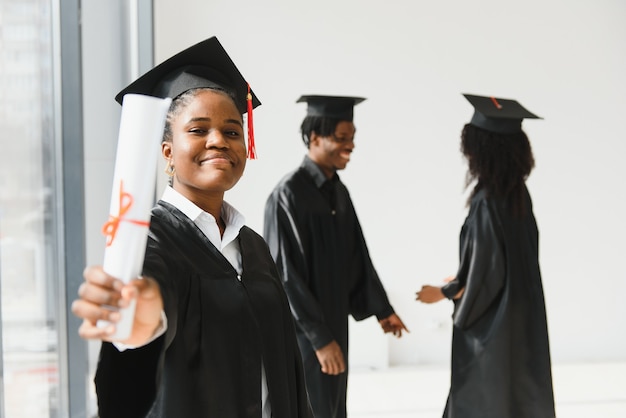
[233,219]
[316,173]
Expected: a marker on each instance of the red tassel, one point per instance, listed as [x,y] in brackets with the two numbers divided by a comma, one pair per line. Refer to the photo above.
[495,103]
[251,147]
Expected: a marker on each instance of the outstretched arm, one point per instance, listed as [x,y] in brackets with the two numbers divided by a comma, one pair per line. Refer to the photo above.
[433,294]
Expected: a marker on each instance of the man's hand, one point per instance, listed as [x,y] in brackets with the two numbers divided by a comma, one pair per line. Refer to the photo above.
[331,359]
[393,324]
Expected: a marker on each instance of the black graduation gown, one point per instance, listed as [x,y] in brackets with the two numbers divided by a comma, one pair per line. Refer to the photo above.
[500,351]
[208,363]
[327,272]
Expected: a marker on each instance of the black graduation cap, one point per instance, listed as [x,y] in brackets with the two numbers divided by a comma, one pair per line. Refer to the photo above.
[498,115]
[339,107]
[205,64]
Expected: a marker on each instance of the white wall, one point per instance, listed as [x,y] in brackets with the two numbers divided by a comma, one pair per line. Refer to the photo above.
[563,59]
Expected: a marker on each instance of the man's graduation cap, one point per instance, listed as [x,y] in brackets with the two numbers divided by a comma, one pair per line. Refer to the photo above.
[497,115]
[205,64]
[338,107]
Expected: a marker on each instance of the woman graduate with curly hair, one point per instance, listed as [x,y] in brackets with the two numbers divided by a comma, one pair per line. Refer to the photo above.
[500,350]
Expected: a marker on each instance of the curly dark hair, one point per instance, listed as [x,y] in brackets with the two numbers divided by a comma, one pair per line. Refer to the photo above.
[321,125]
[500,164]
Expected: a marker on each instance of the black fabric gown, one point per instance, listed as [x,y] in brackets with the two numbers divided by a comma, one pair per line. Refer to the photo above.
[316,240]
[208,363]
[500,351]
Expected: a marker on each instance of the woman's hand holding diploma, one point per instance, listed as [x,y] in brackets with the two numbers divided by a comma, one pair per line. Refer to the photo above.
[101,295]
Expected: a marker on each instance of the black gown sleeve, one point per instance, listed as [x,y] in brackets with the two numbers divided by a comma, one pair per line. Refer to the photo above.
[126,381]
[482,266]
[369,296]
[286,247]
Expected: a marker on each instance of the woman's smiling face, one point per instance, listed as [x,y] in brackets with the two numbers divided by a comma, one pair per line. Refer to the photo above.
[207,149]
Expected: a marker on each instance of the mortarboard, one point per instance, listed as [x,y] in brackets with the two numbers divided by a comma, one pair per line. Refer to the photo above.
[205,64]
[339,107]
[497,115]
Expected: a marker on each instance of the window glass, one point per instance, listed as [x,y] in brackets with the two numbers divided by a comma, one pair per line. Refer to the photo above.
[28,237]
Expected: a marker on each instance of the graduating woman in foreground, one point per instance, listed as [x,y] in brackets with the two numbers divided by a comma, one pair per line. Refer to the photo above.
[213,334]
[500,350]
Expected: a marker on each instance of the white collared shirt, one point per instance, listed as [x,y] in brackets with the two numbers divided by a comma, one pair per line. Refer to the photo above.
[227,244]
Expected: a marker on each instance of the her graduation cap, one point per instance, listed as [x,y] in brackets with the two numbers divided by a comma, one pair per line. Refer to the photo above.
[503,116]
[205,64]
[338,107]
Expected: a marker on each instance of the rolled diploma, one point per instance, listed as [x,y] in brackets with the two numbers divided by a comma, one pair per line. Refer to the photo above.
[141,131]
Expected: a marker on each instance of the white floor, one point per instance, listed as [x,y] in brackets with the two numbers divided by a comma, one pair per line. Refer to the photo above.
[580,391]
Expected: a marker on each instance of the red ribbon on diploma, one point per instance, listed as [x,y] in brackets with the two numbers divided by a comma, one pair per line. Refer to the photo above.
[110,227]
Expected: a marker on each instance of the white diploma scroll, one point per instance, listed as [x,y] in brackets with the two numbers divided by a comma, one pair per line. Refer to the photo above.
[141,132]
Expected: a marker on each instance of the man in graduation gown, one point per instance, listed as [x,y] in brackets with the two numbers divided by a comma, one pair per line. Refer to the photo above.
[500,351]
[316,240]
